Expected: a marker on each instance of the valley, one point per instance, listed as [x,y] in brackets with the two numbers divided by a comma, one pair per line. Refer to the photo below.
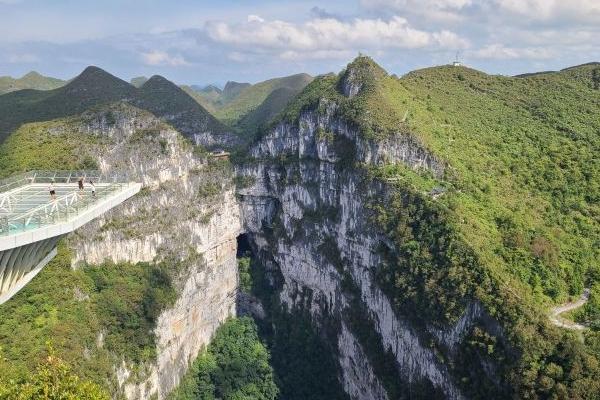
[369,237]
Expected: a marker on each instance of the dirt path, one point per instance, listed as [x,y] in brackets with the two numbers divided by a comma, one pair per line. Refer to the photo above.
[555,312]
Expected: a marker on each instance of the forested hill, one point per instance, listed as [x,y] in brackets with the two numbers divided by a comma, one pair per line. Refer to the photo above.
[94,87]
[31,80]
[520,190]
[525,175]
[246,107]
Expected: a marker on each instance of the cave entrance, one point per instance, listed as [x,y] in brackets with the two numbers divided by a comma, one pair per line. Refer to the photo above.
[243,246]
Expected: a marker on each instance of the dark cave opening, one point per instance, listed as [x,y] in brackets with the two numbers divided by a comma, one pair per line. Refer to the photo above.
[243,246]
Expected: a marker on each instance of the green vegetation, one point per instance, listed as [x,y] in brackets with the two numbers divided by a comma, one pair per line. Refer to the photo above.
[212,186]
[218,98]
[235,366]
[91,88]
[266,111]
[251,97]
[596,78]
[95,87]
[204,99]
[322,87]
[589,314]
[165,99]
[212,98]
[304,362]
[128,299]
[527,151]
[46,145]
[53,380]
[105,313]
[244,273]
[242,182]
[523,177]
[31,80]
[232,90]
[517,223]
[246,108]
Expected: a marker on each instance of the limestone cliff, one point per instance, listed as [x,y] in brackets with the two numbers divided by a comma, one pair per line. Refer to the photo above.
[308,219]
[174,220]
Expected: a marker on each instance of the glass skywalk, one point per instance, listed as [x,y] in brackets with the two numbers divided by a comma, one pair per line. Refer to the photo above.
[26,203]
[38,208]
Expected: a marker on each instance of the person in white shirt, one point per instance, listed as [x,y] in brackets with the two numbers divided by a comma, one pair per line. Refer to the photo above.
[52,191]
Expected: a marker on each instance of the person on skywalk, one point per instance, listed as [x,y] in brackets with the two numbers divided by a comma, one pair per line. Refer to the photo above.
[93,188]
[52,191]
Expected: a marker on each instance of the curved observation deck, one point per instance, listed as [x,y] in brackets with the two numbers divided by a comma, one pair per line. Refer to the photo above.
[32,221]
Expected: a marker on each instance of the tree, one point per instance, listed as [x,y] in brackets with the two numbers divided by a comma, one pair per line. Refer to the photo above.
[53,380]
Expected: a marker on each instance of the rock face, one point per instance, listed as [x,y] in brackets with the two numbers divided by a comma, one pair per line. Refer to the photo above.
[327,137]
[307,219]
[304,210]
[169,220]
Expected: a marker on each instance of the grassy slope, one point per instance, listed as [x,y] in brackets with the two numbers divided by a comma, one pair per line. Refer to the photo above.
[523,154]
[46,145]
[520,218]
[204,99]
[32,80]
[522,149]
[275,102]
[165,99]
[251,97]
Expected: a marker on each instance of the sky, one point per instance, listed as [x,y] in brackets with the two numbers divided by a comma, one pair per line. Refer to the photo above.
[211,42]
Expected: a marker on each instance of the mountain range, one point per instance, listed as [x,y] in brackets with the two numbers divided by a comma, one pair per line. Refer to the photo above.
[238,107]
[95,87]
[396,237]
[31,80]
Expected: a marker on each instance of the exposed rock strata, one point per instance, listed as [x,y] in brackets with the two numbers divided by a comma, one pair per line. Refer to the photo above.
[166,221]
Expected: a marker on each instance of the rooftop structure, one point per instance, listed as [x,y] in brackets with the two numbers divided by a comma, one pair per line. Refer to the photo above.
[220,155]
[32,220]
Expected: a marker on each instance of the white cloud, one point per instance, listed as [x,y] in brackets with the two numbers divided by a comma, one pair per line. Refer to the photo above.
[329,34]
[499,51]
[255,18]
[161,58]
[404,5]
[237,56]
[437,10]
[292,55]
[23,58]
[582,10]
[538,10]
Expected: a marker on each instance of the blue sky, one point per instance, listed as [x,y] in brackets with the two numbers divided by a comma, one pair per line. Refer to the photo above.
[200,42]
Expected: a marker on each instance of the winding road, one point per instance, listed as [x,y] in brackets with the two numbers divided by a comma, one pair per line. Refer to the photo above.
[555,312]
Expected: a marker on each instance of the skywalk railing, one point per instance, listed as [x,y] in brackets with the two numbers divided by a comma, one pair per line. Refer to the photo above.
[64,207]
[57,177]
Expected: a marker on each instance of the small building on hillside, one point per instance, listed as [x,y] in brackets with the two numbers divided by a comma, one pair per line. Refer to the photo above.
[220,155]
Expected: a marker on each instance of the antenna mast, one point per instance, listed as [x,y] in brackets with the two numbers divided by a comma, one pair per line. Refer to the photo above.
[457,62]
